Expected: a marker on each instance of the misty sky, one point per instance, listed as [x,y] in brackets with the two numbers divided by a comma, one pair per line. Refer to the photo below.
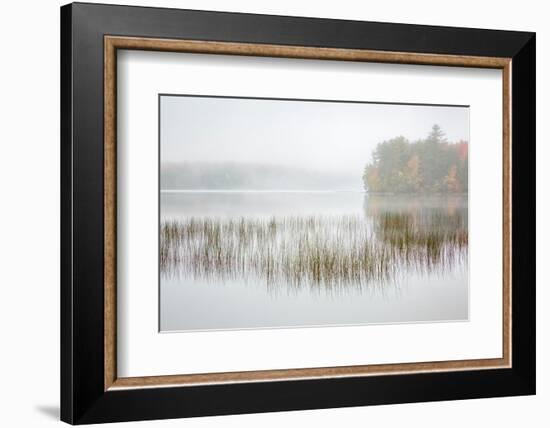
[321,136]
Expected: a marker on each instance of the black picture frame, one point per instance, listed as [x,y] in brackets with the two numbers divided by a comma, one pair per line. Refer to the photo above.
[83,397]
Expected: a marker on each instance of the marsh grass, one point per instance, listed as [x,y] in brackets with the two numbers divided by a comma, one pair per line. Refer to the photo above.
[315,251]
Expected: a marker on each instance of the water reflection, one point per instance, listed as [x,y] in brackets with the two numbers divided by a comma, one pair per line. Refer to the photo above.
[391,237]
[427,232]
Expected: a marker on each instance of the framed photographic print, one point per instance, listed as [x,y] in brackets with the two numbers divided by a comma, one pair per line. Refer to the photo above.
[265,213]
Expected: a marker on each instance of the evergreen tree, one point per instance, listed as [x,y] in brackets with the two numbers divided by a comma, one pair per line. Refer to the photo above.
[430,165]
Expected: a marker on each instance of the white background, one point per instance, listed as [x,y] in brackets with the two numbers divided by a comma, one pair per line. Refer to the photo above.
[143,352]
[29,230]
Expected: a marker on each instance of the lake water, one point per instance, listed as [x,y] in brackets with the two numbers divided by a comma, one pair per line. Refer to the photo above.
[237,260]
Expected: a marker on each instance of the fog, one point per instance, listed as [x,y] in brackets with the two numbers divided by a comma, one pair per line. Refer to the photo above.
[264,218]
[328,137]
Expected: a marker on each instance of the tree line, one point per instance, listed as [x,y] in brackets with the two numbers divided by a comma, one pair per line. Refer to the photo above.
[249,176]
[431,165]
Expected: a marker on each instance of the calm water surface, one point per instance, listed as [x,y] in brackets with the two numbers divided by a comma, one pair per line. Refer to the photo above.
[236,260]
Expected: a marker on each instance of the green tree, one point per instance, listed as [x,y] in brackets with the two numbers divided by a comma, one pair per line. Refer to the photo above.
[429,165]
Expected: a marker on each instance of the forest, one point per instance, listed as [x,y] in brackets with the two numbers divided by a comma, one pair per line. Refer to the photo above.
[431,165]
[251,176]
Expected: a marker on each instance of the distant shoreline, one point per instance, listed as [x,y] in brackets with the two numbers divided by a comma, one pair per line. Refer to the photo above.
[313,191]
[255,191]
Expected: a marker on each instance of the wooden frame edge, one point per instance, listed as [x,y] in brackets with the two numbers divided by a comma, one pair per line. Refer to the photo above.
[507,213]
[301,52]
[109,198]
[308,373]
[112,43]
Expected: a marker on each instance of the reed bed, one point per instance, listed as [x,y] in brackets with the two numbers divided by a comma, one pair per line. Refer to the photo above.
[314,251]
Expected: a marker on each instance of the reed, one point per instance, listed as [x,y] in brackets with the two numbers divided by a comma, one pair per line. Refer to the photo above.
[313,251]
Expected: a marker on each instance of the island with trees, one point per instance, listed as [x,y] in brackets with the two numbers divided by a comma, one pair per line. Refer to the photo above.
[431,165]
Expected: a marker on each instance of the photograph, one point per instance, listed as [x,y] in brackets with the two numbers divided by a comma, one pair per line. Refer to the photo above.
[265,211]
[289,213]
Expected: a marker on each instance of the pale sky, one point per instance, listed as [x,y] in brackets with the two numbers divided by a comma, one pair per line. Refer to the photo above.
[325,136]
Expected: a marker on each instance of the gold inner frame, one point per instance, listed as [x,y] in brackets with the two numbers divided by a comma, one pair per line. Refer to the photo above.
[113,43]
